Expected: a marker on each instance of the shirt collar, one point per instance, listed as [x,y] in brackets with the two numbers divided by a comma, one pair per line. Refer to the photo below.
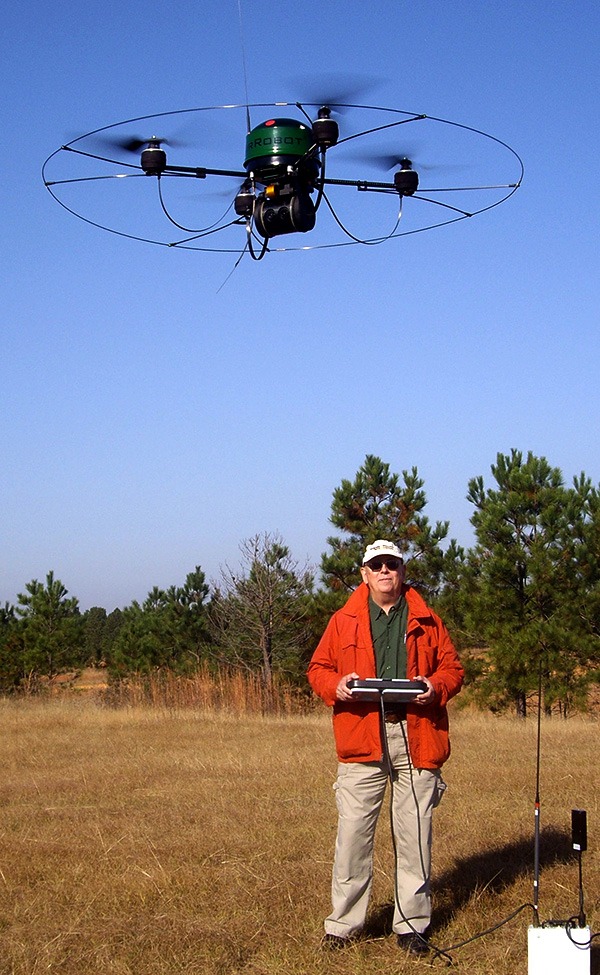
[376,610]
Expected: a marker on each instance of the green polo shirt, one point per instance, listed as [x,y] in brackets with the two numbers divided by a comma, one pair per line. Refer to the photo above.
[388,631]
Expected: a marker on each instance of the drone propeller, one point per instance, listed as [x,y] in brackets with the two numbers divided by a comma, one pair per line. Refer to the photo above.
[332,94]
[335,91]
[387,160]
[397,160]
[135,144]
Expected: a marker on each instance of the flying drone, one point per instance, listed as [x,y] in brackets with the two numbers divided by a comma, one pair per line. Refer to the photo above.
[296,163]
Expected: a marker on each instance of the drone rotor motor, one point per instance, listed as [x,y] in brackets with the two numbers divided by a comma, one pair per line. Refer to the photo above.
[325,130]
[406,180]
[154,158]
[244,200]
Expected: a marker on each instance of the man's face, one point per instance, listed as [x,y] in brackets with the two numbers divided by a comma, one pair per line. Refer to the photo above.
[384,575]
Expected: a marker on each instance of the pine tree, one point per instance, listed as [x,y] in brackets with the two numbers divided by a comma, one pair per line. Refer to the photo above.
[51,627]
[376,504]
[168,630]
[524,593]
[11,649]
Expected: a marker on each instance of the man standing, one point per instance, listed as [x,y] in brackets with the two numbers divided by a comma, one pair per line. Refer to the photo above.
[385,630]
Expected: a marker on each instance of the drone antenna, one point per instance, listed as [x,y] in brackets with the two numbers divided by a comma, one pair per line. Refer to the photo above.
[239,2]
[234,268]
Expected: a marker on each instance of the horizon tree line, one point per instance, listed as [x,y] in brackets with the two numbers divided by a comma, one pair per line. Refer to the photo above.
[523,603]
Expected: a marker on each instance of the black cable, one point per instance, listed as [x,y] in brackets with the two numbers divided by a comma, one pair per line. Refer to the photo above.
[191,230]
[358,240]
[572,924]
[439,952]
[182,244]
[482,934]
[264,242]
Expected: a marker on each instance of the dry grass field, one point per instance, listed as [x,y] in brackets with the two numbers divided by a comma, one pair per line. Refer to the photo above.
[139,841]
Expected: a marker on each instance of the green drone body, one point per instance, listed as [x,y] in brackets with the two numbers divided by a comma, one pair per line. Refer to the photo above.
[274,144]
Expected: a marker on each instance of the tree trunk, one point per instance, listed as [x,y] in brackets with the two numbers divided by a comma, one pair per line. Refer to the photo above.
[267,671]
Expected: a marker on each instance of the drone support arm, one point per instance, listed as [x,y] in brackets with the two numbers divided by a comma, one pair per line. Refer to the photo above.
[360,184]
[201,172]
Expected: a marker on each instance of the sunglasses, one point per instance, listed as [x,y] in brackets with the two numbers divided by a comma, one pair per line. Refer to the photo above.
[376,565]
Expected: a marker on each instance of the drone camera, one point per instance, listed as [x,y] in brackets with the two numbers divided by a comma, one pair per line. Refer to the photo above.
[154,159]
[288,215]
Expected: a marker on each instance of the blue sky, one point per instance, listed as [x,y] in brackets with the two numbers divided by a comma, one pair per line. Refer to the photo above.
[154,413]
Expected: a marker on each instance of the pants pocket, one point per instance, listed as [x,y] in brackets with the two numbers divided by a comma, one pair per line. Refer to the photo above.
[440,788]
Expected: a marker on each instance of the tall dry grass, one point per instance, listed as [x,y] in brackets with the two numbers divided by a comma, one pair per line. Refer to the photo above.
[139,841]
[237,692]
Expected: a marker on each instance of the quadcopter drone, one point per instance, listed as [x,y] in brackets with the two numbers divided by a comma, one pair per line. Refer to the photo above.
[285,178]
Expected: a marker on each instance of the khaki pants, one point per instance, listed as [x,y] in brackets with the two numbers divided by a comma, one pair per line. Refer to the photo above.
[359,790]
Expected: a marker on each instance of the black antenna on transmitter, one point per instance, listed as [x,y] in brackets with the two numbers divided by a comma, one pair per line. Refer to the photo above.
[579,843]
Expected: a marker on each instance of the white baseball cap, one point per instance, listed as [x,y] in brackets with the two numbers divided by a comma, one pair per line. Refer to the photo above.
[381,547]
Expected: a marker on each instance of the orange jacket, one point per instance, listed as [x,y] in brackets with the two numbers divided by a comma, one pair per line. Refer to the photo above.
[346,646]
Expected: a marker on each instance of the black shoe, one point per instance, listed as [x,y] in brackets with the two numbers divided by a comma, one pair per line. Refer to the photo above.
[333,942]
[413,943]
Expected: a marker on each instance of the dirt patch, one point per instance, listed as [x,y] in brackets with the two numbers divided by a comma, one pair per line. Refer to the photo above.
[90,680]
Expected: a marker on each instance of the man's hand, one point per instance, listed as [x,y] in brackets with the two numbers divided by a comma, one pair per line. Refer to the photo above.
[342,691]
[428,696]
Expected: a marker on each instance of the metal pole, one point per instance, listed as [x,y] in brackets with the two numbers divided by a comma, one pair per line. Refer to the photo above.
[536,846]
